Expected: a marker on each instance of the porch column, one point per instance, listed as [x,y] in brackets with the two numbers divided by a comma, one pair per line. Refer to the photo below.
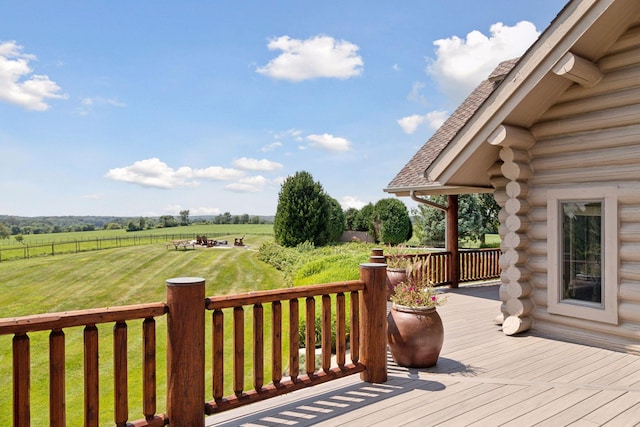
[373,322]
[185,351]
[452,239]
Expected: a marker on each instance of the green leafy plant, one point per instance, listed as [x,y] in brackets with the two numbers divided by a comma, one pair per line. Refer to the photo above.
[400,257]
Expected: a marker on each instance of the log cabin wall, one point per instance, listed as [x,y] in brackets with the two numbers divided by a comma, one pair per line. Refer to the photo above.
[591,137]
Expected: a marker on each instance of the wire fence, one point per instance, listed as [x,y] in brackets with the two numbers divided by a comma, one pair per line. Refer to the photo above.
[74,246]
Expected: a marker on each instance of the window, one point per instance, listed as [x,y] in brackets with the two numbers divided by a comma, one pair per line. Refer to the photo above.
[583,255]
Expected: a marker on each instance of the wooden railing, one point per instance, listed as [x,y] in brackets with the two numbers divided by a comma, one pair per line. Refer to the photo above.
[56,323]
[479,264]
[474,265]
[277,384]
[186,404]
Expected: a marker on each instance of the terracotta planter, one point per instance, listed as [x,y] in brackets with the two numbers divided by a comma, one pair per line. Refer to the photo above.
[414,336]
[394,276]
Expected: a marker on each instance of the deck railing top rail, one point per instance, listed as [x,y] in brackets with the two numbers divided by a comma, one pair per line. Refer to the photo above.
[68,319]
[260,297]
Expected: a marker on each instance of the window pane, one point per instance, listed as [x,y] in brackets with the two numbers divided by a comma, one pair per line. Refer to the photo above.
[582,251]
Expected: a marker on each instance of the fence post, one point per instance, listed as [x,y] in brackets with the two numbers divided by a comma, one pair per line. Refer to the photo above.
[185,351]
[373,322]
[377,256]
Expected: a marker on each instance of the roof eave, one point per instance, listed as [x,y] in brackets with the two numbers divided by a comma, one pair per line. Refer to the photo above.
[529,72]
[436,189]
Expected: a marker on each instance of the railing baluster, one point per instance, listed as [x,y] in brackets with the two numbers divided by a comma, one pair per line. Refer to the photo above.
[258,346]
[341,330]
[21,381]
[310,338]
[294,340]
[326,332]
[149,368]
[276,342]
[355,327]
[238,350]
[57,415]
[91,394]
[218,354]
[341,334]
[121,398]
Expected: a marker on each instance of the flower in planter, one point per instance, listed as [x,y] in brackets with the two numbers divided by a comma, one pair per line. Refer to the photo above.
[417,291]
[400,259]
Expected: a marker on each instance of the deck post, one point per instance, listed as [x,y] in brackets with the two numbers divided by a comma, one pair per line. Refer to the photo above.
[377,256]
[452,239]
[373,322]
[185,351]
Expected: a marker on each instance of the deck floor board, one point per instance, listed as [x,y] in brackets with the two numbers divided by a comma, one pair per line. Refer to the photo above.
[482,378]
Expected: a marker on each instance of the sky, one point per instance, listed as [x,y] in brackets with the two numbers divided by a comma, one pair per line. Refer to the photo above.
[141,108]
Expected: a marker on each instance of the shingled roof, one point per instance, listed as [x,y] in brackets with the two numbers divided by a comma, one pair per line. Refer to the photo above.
[413,173]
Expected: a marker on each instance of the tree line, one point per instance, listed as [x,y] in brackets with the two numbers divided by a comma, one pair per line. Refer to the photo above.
[307,214]
[16,225]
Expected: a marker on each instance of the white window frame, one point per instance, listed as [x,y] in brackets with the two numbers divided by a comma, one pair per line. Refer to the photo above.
[607,312]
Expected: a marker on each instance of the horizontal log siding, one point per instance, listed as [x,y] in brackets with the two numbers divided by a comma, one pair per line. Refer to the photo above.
[592,137]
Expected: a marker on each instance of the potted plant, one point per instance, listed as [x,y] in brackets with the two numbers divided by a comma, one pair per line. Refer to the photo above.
[414,328]
[397,265]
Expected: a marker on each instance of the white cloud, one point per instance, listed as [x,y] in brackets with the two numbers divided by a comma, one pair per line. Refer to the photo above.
[319,56]
[271,147]
[434,120]
[290,133]
[175,209]
[155,173]
[245,163]
[351,202]
[18,84]
[251,184]
[198,211]
[461,64]
[112,102]
[415,94]
[329,142]
[89,103]
[204,211]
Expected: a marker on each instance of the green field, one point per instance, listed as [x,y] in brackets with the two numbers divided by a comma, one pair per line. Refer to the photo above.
[137,274]
[114,277]
[37,245]
[236,230]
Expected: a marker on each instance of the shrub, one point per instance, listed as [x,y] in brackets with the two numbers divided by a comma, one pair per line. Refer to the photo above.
[318,332]
[391,221]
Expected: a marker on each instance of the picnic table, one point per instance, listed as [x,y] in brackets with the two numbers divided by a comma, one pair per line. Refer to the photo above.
[184,244]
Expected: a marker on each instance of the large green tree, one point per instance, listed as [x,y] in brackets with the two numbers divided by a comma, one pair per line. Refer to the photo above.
[5,232]
[391,221]
[477,216]
[365,219]
[184,217]
[336,221]
[303,212]
[351,218]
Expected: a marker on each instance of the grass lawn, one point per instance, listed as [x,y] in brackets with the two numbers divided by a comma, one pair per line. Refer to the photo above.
[115,277]
[137,274]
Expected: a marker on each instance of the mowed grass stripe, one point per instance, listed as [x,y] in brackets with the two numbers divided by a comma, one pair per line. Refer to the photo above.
[113,277]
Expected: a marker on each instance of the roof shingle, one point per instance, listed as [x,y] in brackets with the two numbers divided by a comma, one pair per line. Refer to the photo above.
[413,173]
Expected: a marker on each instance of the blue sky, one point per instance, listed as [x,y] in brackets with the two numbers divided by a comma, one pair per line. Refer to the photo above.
[144,108]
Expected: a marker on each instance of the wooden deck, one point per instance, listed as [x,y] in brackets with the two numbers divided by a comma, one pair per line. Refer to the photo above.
[483,378]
